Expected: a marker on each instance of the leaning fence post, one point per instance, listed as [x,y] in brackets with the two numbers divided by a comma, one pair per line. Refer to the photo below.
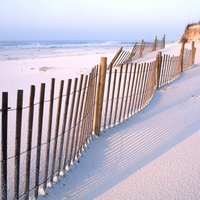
[4,132]
[158,67]
[115,57]
[99,96]
[133,52]
[182,55]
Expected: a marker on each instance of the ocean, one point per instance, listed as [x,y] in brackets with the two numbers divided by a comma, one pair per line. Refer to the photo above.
[64,44]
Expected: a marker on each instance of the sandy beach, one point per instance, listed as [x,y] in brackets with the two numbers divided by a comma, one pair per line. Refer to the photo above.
[120,164]
[22,68]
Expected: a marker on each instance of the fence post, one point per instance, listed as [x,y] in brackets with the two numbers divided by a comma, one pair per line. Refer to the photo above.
[29,142]
[142,48]
[193,54]
[18,142]
[163,42]
[182,55]
[133,52]
[99,96]
[39,137]
[155,44]
[158,67]
[115,58]
[4,132]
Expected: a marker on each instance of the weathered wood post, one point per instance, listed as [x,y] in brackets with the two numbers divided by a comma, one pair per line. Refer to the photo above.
[4,137]
[142,48]
[158,67]
[163,42]
[155,44]
[99,96]
[29,142]
[18,142]
[133,52]
[193,54]
[182,56]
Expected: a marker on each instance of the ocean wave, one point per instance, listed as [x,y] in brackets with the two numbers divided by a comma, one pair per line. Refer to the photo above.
[68,44]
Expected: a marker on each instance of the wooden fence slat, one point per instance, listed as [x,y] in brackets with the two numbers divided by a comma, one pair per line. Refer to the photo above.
[127,91]
[131,93]
[74,124]
[39,137]
[139,91]
[4,137]
[68,135]
[29,142]
[92,123]
[166,66]
[123,92]
[162,70]
[112,97]
[85,114]
[148,71]
[135,89]
[93,96]
[144,81]
[53,164]
[123,57]
[49,130]
[64,123]
[146,85]
[169,69]
[107,96]
[18,142]
[80,116]
[118,93]
[151,78]
[118,61]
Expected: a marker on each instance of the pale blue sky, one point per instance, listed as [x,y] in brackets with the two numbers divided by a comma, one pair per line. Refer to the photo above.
[96,19]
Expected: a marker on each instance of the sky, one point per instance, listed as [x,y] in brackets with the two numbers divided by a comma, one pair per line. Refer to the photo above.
[96,19]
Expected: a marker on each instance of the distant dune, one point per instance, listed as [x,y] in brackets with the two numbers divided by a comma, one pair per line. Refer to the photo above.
[192,33]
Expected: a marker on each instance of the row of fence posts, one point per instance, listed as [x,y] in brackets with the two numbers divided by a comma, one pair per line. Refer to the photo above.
[177,67]
[123,56]
[96,121]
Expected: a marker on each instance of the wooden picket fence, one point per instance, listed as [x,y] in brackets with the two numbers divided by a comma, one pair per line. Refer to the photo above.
[138,50]
[50,134]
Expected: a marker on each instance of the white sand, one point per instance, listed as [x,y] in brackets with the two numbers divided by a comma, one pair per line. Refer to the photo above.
[153,155]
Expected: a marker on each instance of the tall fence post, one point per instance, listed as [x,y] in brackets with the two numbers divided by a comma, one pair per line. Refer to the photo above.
[29,142]
[18,142]
[99,96]
[4,132]
[158,67]
[193,54]
[181,56]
